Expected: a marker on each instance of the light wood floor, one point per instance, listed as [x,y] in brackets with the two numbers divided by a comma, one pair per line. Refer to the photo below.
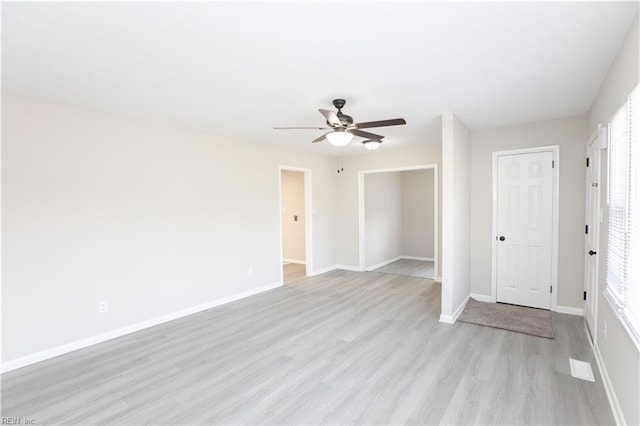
[294,274]
[339,348]
[410,268]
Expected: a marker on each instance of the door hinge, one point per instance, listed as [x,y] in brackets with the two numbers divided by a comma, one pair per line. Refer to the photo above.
[584,296]
[553,164]
[587,161]
[550,289]
[586,229]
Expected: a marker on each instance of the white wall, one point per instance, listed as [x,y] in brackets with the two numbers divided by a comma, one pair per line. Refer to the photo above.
[387,156]
[151,217]
[619,356]
[570,134]
[417,213]
[456,188]
[293,248]
[383,217]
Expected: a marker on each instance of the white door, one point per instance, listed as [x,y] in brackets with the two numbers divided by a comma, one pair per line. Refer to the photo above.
[524,229]
[592,230]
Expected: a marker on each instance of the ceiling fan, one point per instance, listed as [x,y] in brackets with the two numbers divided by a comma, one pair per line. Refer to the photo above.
[342,129]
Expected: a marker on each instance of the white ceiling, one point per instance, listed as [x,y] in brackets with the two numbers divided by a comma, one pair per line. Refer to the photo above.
[240,68]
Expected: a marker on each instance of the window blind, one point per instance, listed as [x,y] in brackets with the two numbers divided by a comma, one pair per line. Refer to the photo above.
[632,289]
[623,250]
[618,184]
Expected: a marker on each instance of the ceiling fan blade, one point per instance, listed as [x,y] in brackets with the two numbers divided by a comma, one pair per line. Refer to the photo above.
[381,123]
[320,138]
[331,117]
[365,135]
[314,128]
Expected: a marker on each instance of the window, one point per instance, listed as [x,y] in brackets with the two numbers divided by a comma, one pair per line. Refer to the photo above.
[623,250]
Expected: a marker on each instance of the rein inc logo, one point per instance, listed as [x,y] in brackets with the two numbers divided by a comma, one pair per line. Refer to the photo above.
[18,421]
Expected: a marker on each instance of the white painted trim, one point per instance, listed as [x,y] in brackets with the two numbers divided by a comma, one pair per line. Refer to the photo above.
[299,262]
[555,150]
[481,297]
[322,271]
[438,279]
[555,235]
[308,217]
[426,259]
[400,169]
[451,319]
[608,387]
[384,263]
[349,268]
[103,337]
[333,268]
[569,310]
[436,221]
[362,247]
[447,319]
[361,211]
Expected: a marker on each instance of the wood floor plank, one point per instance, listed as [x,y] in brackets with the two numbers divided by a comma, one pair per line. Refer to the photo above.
[339,348]
[409,267]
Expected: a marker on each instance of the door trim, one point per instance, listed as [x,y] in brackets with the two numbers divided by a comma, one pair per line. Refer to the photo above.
[555,185]
[436,208]
[308,218]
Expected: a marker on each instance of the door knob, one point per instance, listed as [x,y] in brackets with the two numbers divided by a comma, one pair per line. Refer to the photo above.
[502,238]
[591,252]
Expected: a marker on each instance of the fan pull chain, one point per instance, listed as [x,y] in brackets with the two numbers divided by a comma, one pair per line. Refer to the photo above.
[340,160]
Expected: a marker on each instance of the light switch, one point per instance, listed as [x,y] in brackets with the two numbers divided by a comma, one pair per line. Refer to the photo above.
[295,217]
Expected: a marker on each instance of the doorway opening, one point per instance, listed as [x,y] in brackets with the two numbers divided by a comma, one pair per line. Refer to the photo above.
[398,221]
[295,224]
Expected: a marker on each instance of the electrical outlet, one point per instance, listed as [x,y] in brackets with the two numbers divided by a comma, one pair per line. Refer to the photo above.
[250,271]
[103,307]
[604,329]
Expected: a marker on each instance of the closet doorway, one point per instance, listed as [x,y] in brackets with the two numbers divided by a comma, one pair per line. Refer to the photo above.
[398,221]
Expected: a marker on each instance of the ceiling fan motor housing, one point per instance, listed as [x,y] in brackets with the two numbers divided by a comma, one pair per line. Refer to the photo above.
[345,119]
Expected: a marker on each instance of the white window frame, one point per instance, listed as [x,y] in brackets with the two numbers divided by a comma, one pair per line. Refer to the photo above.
[623,273]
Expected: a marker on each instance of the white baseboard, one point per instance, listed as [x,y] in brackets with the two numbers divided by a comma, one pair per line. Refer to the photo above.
[103,337]
[349,268]
[447,319]
[481,297]
[429,259]
[333,268]
[299,262]
[322,270]
[451,319]
[569,310]
[438,279]
[618,416]
[384,263]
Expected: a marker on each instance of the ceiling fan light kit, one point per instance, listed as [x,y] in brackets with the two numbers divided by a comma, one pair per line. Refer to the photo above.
[342,128]
[371,144]
[339,137]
